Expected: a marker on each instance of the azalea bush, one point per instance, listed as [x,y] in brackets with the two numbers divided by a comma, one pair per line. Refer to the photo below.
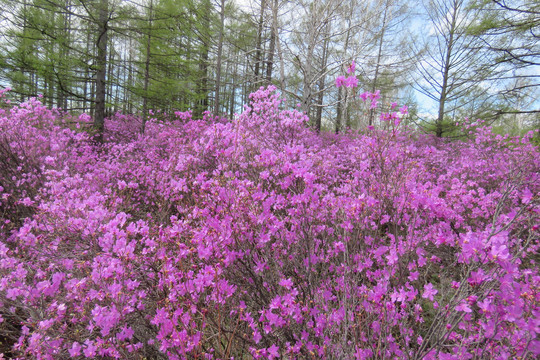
[259,239]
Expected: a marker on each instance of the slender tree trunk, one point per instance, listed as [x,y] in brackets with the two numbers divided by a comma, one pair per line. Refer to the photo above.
[67,32]
[99,117]
[122,78]
[35,83]
[189,47]
[444,88]
[220,50]
[342,98]
[307,83]
[125,82]
[379,57]
[338,110]
[119,80]
[63,47]
[272,49]
[49,93]
[147,68]
[228,86]
[258,54]
[57,47]
[321,84]
[25,26]
[307,94]
[87,82]
[202,85]
[109,80]
[279,51]
[233,91]
[204,81]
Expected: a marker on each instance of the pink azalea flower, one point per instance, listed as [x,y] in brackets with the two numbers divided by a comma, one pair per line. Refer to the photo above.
[429,291]
[413,276]
[526,196]
[351,68]
[340,81]
[499,252]
[463,306]
[75,349]
[484,305]
[351,82]
[392,257]
[91,349]
[257,336]
[273,351]
[287,283]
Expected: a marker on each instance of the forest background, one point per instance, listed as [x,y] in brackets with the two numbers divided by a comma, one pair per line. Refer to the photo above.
[448,60]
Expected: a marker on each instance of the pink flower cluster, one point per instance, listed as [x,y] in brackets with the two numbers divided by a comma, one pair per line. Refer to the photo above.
[258,238]
[352,82]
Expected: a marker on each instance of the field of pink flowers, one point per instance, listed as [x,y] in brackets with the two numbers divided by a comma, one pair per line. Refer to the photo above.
[260,239]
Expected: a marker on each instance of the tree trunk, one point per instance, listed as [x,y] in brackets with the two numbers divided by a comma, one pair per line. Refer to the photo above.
[321,84]
[306,94]
[147,68]
[109,83]
[446,72]
[218,65]
[99,117]
[202,87]
[233,85]
[342,92]
[272,49]
[258,54]
[338,110]
[379,56]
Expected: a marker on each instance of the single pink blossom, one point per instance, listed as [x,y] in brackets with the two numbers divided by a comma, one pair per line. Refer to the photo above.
[287,283]
[429,291]
[526,196]
[376,95]
[413,276]
[340,81]
[351,68]
[351,81]
[75,349]
[463,306]
[273,351]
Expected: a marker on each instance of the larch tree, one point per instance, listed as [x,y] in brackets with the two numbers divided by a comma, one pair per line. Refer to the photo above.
[393,57]
[219,58]
[509,30]
[454,65]
[101,62]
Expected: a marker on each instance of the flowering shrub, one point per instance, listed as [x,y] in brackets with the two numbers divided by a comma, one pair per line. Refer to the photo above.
[258,238]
